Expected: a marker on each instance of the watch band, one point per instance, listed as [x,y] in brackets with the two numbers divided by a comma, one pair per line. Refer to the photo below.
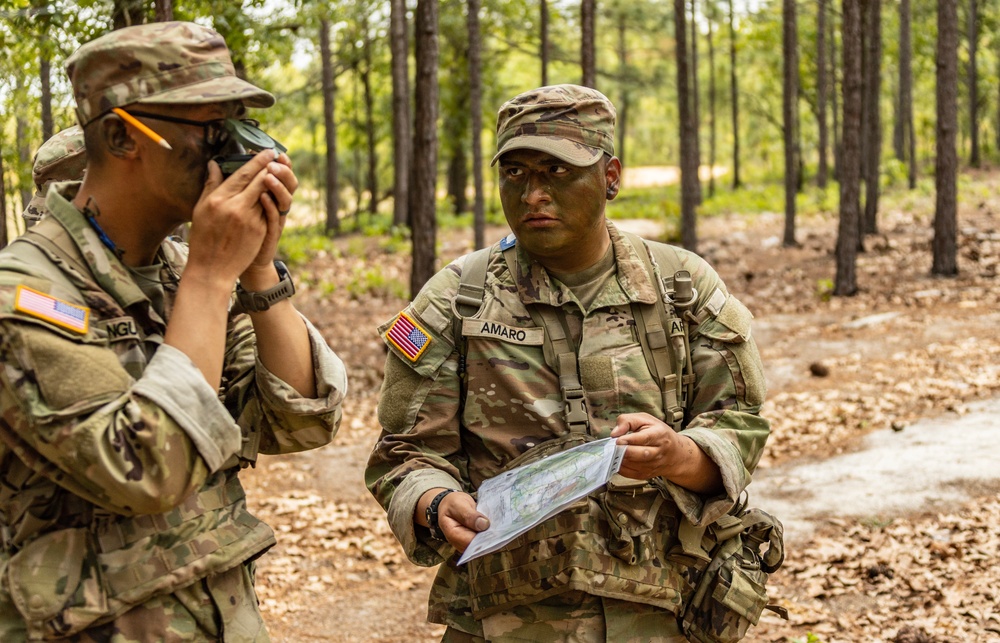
[432,514]
[258,302]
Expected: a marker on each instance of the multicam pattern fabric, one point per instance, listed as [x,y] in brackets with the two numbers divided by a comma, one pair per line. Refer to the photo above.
[61,158]
[432,438]
[161,62]
[118,463]
[573,123]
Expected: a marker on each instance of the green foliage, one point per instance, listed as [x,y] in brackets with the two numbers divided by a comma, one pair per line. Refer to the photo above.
[808,638]
[372,281]
[824,289]
[300,245]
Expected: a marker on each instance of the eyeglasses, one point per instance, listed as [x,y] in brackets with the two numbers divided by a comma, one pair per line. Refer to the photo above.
[215,130]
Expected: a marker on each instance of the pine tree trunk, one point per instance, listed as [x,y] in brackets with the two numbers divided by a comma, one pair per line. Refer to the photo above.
[423,206]
[835,108]
[821,85]
[789,104]
[734,99]
[476,109]
[688,132]
[974,159]
[44,78]
[696,94]
[370,122]
[401,141]
[330,127]
[711,102]
[845,282]
[543,48]
[26,187]
[873,139]
[946,163]
[588,57]
[906,88]
[164,10]
[623,102]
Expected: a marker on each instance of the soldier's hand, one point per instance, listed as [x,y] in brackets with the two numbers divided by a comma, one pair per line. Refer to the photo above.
[654,449]
[651,445]
[459,521]
[229,222]
[281,184]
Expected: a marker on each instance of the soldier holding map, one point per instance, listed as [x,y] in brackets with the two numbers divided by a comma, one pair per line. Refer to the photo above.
[556,336]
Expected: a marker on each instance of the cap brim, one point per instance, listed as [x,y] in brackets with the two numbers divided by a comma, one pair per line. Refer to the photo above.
[214,90]
[564,149]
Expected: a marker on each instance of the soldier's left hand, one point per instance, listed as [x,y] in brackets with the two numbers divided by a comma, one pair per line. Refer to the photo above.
[652,446]
[276,201]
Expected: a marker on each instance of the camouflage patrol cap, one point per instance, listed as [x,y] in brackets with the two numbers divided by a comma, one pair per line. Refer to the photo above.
[61,158]
[161,62]
[572,123]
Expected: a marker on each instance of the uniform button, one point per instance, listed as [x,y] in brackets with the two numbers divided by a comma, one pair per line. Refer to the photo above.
[36,602]
[622,518]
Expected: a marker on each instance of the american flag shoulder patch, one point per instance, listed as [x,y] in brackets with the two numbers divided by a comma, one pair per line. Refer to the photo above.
[406,335]
[43,306]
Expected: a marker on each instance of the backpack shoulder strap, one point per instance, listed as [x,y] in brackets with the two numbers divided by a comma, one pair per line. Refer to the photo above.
[471,291]
[658,331]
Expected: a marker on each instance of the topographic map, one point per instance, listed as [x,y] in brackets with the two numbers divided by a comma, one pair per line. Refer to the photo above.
[517,500]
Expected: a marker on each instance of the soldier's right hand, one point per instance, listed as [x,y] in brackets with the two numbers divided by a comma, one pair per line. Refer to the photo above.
[228,225]
[459,521]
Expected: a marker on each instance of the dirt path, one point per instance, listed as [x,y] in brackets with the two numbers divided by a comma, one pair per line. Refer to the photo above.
[911,352]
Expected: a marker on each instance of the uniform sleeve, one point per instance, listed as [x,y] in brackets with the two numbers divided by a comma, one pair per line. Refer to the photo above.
[270,411]
[723,416]
[129,446]
[420,446]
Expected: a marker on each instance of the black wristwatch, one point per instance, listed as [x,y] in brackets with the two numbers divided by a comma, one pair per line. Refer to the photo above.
[258,302]
[432,514]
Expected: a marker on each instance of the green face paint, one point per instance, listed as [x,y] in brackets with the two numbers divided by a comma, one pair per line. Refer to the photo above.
[555,209]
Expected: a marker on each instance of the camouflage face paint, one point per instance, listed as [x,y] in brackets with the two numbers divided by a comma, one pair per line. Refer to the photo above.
[555,209]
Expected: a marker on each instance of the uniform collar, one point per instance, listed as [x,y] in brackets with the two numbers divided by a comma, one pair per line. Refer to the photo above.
[536,286]
[108,271]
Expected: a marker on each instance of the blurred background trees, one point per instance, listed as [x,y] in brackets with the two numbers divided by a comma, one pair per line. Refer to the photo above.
[388,107]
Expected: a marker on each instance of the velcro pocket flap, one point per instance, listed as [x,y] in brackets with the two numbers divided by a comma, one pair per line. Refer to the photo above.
[732,325]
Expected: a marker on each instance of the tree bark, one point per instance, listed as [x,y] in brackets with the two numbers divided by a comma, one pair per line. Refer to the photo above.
[873,138]
[44,77]
[543,46]
[425,143]
[908,143]
[330,127]
[688,132]
[696,96]
[476,109]
[845,282]
[946,163]
[821,85]
[401,141]
[734,99]
[710,16]
[833,97]
[973,17]
[588,56]
[369,120]
[164,10]
[623,102]
[789,109]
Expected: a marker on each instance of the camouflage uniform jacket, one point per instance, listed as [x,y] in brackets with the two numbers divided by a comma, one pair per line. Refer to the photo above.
[512,402]
[118,462]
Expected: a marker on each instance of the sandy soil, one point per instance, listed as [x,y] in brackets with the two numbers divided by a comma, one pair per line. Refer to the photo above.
[908,348]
